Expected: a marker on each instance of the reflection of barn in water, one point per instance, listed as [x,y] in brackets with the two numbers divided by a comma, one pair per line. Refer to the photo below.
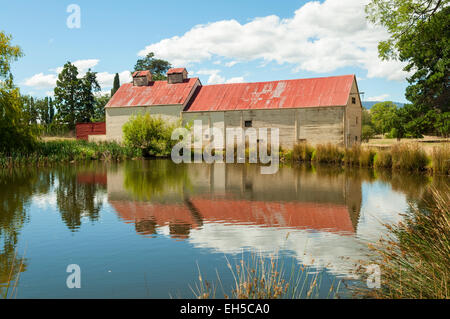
[240,195]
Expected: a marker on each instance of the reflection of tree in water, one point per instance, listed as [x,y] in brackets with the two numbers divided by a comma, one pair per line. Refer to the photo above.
[76,200]
[16,189]
[412,185]
[427,200]
[148,179]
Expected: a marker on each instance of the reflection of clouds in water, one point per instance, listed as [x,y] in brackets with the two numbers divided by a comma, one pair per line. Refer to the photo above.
[337,252]
[381,205]
[320,249]
[46,201]
[49,202]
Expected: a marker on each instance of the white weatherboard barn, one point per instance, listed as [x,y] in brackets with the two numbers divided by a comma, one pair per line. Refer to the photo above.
[316,110]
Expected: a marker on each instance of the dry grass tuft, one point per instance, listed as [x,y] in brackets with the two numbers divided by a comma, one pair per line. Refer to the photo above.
[258,277]
[415,259]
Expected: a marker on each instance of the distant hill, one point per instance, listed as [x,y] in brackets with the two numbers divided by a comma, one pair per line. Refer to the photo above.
[368,104]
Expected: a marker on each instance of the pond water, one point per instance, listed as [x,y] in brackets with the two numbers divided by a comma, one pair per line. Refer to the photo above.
[143,229]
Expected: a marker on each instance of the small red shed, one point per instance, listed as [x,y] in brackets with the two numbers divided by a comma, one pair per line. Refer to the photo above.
[85,129]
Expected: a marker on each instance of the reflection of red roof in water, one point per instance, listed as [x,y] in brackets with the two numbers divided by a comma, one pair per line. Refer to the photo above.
[299,215]
[160,214]
[92,178]
[331,217]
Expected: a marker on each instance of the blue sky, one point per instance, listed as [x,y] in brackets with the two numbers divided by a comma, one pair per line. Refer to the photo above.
[218,41]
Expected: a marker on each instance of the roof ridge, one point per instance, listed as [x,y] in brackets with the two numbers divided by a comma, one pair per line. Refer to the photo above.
[260,82]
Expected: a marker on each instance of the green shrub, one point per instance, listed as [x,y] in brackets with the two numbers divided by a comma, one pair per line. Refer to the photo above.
[149,134]
[367,132]
[409,157]
[16,134]
[440,159]
[302,152]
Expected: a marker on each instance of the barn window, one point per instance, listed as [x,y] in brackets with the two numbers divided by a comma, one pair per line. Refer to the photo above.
[353,100]
[356,120]
[248,124]
[356,138]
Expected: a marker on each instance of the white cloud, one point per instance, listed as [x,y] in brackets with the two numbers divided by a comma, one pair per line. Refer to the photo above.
[106,79]
[320,37]
[102,93]
[82,65]
[48,81]
[216,78]
[231,63]
[238,79]
[381,97]
[41,81]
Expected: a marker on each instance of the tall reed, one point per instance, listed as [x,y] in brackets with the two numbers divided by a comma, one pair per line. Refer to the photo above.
[10,288]
[414,259]
[45,153]
[351,155]
[302,152]
[328,153]
[383,159]
[440,159]
[409,156]
[258,277]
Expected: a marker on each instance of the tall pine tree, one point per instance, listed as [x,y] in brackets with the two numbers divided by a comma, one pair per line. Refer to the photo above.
[67,93]
[116,84]
[51,111]
[87,102]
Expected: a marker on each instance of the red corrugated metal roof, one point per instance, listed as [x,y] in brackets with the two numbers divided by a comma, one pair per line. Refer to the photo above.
[176,70]
[140,73]
[328,91]
[156,93]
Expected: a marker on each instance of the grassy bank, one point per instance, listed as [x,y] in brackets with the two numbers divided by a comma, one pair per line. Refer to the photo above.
[45,153]
[408,157]
[415,259]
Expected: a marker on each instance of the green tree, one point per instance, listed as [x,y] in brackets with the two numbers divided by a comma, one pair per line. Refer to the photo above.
[367,132]
[116,84]
[157,67]
[152,135]
[442,124]
[51,110]
[42,108]
[381,115]
[87,101]
[8,54]
[14,128]
[419,35]
[366,117]
[100,102]
[67,94]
